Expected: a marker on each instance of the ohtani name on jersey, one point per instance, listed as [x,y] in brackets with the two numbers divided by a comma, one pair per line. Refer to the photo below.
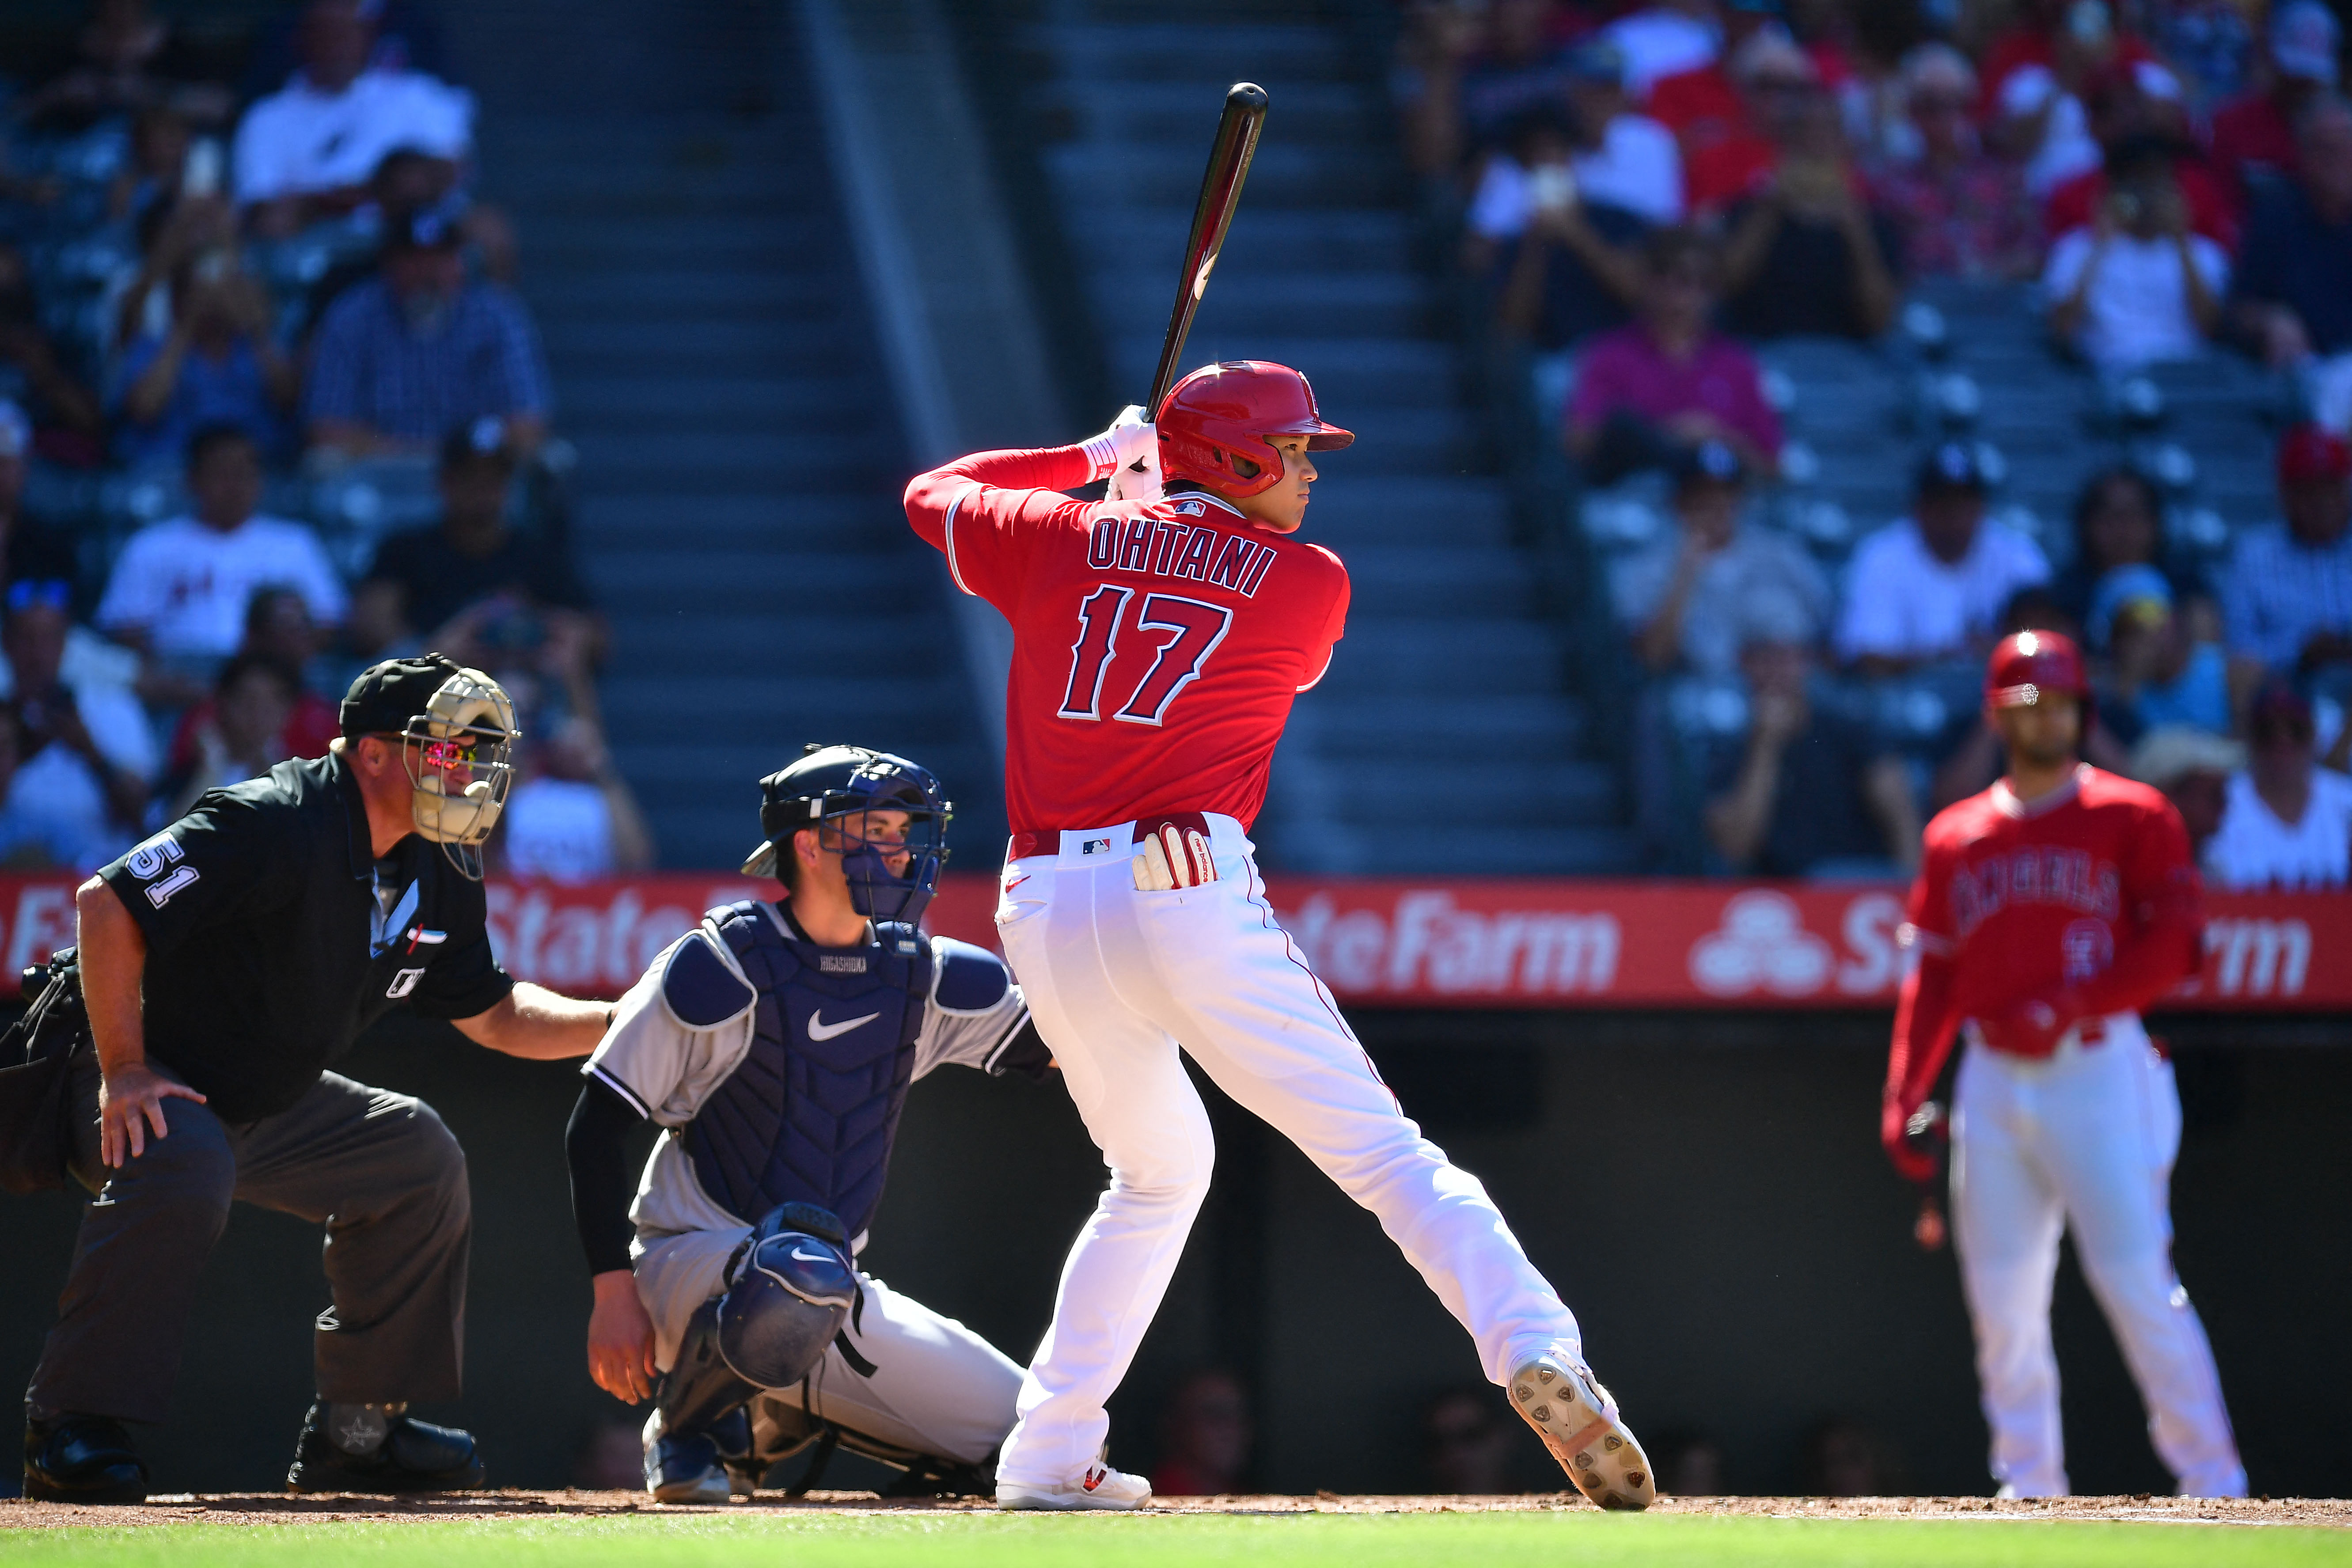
[2039,874]
[1163,547]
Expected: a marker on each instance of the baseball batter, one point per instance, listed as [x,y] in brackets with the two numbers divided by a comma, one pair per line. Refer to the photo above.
[775,1044]
[1158,647]
[2049,911]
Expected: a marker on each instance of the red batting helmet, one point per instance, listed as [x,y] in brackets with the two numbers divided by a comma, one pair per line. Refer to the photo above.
[2025,666]
[1222,414]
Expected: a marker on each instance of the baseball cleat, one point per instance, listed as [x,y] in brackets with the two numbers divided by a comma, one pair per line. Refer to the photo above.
[1572,1413]
[379,1448]
[82,1458]
[687,1468]
[1100,1488]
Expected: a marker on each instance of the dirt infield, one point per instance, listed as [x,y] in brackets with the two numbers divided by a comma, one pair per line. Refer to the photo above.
[280,1507]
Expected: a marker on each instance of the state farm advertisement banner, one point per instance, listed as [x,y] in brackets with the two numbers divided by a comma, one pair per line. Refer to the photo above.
[1419,943]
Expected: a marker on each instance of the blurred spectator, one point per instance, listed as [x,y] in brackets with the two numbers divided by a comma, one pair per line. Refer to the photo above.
[407,37]
[54,818]
[2293,297]
[1612,157]
[173,236]
[1806,254]
[2192,767]
[2158,672]
[155,176]
[2287,593]
[125,59]
[26,549]
[1933,584]
[1956,210]
[1732,154]
[242,736]
[2136,287]
[66,419]
[424,579]
[420,350]
[2119,521]
[2287,824]
[1669,380]
[1665,38]
[2254,139]
[1691,600]
[181,587]
[1571,263]
[218,364]
[88,743]
[1204,1437]
[1470,70]
[572,817]
[1689,1464]
[1815,792]
[2036,74]
[2134,127]
[306,151]
[1706,104]
[280,630]
[1466,1445]
[1845,1458]
[2210,42]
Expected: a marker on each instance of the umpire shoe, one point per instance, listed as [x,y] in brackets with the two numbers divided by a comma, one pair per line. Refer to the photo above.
[81,1458]
[1100,1488]
[378,1448]
[1577,1422]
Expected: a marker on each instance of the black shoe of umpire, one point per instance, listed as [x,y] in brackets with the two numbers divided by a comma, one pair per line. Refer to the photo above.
[377,1449]
[81,1458]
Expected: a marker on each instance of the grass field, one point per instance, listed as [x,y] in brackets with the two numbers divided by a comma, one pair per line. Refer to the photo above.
[1349,1541]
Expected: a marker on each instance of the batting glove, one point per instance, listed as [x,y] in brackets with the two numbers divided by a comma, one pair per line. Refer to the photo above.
[1134,457]
[1172,857]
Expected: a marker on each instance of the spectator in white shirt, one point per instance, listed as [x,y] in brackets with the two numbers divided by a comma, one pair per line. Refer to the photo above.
[1617,159]
[572,817]
[306,151]
[2137,287]
[179,590]
[51,816]
[2288,822]
[86,753]
[1933,585]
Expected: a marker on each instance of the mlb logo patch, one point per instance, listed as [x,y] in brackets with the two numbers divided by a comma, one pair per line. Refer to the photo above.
[1094,846]
[1189,508]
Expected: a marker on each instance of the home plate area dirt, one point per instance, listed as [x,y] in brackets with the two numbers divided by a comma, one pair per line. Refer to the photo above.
[279,1507]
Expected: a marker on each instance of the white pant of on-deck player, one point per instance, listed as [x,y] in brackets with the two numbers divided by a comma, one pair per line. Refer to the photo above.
[1115,978]
[2082,1140]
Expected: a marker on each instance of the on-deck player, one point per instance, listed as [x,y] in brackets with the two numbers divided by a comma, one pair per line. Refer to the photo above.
[1157,646]
[2049,911]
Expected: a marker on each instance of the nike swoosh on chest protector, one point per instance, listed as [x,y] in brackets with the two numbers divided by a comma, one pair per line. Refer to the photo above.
[818,1029]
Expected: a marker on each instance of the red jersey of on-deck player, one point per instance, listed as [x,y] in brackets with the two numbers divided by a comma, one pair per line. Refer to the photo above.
[1156,647]
[2028,901]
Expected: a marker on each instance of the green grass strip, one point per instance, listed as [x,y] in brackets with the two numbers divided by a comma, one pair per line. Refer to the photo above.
[989,1541]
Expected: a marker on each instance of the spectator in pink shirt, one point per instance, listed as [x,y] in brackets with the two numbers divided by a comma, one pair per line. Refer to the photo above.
[1669,381]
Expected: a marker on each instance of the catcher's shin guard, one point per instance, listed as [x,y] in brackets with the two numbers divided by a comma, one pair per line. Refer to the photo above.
[700,1390]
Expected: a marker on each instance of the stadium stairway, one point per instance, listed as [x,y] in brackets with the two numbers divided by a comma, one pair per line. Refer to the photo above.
[1448,689]
[740,458]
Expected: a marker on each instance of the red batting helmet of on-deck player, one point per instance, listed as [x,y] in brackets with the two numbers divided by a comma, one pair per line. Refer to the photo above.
[2025,666]
[1214,423]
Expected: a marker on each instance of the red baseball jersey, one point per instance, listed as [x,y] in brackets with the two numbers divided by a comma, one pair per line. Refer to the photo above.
[2031,900]
[1156,646]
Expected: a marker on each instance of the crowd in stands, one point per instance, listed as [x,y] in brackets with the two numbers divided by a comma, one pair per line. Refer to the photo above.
[242,281]
[1658,195]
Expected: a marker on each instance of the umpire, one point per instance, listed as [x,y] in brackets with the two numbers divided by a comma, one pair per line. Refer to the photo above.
[225,964]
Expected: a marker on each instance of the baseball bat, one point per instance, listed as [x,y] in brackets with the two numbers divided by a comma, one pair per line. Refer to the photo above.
[1213,213]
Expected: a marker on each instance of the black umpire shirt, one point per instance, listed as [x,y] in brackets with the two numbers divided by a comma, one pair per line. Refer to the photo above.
[274,937]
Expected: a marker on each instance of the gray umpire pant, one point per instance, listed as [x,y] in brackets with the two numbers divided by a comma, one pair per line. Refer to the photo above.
[378,1170]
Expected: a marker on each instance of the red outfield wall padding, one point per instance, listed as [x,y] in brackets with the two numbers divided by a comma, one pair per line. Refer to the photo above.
[1423,944]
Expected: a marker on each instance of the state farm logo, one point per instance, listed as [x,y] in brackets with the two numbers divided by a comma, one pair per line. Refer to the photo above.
[1431,944]
[1762,945]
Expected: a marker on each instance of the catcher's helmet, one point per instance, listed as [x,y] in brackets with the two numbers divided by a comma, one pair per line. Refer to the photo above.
[1214,423]
[831,784]
[2025,666]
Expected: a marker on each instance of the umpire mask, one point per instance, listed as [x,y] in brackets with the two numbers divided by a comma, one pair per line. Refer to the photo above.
[459,754]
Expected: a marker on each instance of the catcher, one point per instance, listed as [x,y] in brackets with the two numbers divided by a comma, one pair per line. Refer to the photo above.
[774,1045]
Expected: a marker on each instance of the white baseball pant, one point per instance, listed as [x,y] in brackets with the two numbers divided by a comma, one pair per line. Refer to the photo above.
[2082,1139]
[1116,979]
[936,1387]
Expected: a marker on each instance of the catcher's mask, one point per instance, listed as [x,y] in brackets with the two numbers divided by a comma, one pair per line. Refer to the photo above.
[835,790]
[459,754]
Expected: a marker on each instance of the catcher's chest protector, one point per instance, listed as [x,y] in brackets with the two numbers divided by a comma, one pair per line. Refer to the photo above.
[810,1113]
